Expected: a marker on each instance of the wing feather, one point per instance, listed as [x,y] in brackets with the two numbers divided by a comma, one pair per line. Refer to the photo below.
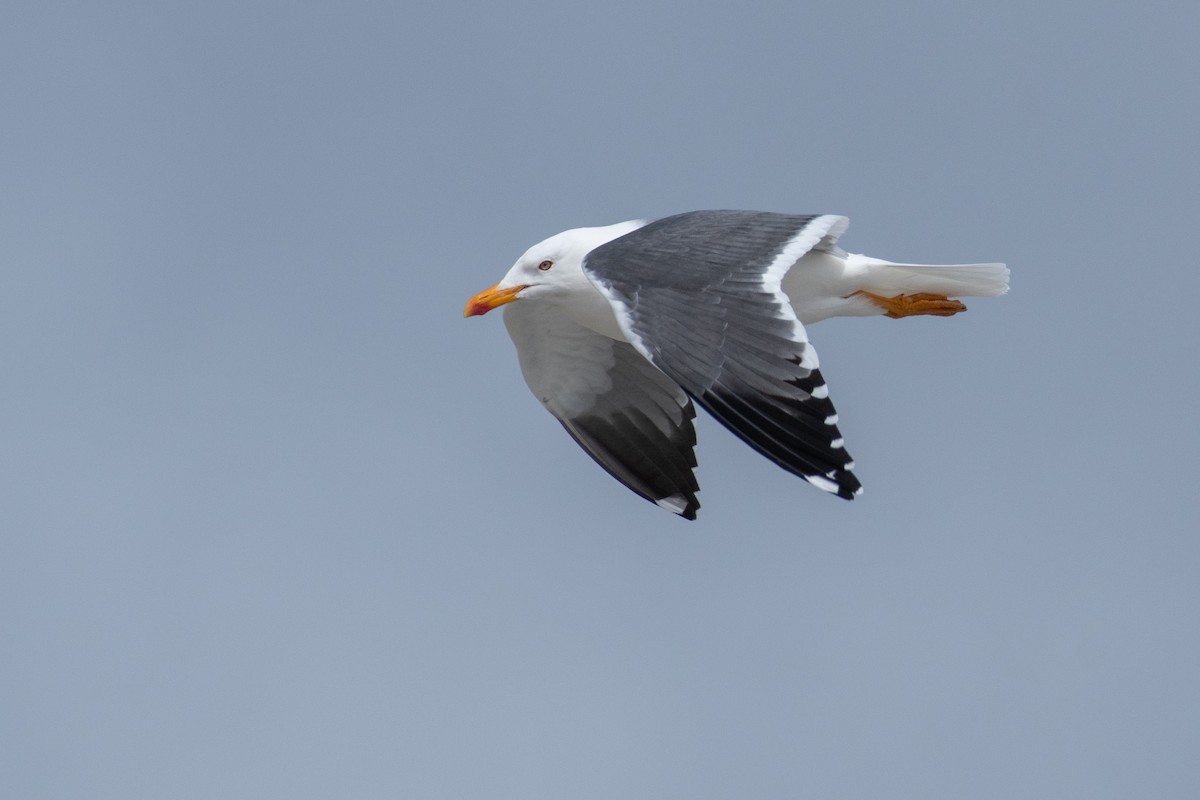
[631,418]
[699,295]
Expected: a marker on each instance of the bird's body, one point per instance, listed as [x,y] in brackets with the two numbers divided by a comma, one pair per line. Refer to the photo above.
[619,328]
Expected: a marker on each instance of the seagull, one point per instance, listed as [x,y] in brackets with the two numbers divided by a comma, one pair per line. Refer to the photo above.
[621,329]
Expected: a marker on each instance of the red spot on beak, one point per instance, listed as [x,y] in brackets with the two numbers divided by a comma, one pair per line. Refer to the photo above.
[491,298]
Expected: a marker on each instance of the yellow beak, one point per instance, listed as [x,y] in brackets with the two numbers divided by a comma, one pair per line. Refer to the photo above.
[491,298]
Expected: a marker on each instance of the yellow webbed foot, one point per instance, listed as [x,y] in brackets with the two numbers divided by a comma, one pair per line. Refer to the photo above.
[908,305]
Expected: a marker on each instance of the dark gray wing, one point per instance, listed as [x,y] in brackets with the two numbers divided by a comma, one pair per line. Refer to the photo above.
[699,294]
[630,417]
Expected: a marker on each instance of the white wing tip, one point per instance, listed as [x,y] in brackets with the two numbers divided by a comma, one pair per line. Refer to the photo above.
[676,503]
[826,483]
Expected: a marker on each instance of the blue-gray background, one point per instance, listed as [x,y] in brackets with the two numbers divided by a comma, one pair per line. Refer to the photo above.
[278,522]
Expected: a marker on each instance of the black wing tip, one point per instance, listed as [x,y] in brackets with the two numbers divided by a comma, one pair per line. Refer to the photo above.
[657,467]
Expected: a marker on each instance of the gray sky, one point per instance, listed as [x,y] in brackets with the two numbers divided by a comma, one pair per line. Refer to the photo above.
[275,521]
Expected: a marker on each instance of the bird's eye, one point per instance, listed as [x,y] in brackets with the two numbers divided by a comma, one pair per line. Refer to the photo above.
[545,265]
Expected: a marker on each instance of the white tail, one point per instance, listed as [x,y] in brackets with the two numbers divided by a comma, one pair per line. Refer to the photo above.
[949,280]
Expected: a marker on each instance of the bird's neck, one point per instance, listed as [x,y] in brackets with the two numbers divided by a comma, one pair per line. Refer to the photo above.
[592,310]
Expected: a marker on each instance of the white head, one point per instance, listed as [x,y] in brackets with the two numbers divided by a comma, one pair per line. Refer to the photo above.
[551,269]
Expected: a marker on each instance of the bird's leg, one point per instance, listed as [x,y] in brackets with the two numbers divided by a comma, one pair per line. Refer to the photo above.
[908,305]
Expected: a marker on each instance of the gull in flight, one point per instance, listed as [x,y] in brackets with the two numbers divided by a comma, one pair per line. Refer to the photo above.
[621,329]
